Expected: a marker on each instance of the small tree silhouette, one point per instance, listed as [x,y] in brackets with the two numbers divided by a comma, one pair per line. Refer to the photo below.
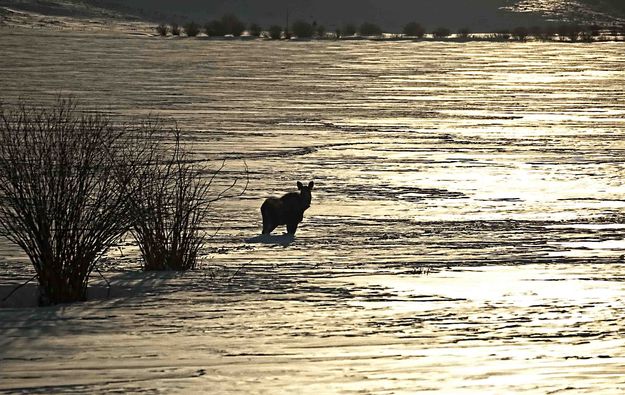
[215,29]
[503,35]
[162,29]
[574,32]
[275,32]
[175,29]
[441,32]
[538,32]
[370,29]
[320,31]
[520,33]
[302,29]
[586,35]
[413,29]
[464,33]
[232,25]
[228,24]
[192,29]
[349,30]
[255,30]
[570,31]
[595,30]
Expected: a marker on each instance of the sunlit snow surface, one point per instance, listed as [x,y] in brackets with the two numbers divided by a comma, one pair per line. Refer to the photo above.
[498,166]
[571,10]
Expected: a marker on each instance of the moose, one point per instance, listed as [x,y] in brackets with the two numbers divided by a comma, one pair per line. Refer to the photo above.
[287,210]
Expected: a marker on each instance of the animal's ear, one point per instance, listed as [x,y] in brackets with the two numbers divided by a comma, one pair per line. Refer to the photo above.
[311,185]
[299,185]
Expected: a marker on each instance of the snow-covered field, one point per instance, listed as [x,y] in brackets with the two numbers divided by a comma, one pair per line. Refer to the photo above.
[465,234]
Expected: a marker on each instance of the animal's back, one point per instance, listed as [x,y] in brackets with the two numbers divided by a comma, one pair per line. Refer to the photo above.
[290,198]
[273,208]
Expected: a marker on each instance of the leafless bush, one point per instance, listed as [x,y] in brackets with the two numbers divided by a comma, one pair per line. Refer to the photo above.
[441,32]
[503,35]
[369,29]
[539,33]
[192,29]
[570,31]
[162,29]
[520,33]
[413,29]
[63,199]
[275,32]
[172,204]
[464,33]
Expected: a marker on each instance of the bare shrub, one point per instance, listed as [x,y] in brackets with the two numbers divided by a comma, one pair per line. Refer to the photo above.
[570,31]
[215,29]
[172,204]
[520,33]
[275,32]
[538,33]
[441,32]
[175,29]
[503,35]
[162,29]
[192,29]
[413,29]
[321,31]
[594,30]
[586,36]
[369,29]
[302,29]
[63,198]
[255,30]
[550,32]
[464,33]
[232,25]
[349,30]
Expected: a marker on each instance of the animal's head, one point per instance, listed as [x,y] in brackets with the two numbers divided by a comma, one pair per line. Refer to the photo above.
[305,192]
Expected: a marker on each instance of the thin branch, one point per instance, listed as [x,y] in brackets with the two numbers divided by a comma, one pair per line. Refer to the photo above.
[18,287]
[108,284]
[237,272]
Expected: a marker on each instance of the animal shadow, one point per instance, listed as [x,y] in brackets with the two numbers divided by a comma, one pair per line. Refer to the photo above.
[283,240]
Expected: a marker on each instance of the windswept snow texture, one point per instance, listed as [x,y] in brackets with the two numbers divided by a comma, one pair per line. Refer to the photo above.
[603,12]
[465,234]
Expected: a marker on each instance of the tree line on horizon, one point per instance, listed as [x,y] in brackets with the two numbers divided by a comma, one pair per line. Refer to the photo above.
[230,25]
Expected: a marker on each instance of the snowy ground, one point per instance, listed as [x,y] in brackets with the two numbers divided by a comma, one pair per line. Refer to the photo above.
[524,328]
[465,235]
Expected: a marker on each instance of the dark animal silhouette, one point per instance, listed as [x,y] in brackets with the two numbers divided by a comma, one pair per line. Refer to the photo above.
[287,210]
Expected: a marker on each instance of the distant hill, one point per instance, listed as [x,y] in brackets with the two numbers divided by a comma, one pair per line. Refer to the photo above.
[392,15]
[603,12]
[612,7]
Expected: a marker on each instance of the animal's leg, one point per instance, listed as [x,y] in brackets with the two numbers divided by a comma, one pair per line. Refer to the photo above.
[291,228]
[266,222]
